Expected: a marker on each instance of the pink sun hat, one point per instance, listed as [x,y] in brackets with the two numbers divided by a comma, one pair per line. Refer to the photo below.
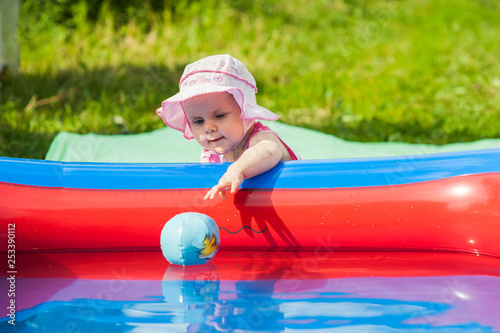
[218,73]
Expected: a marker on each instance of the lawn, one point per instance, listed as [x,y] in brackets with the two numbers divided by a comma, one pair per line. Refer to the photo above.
[421,71]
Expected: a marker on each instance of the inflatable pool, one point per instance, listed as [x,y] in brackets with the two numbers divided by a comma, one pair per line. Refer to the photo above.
[399,244]
[436,202]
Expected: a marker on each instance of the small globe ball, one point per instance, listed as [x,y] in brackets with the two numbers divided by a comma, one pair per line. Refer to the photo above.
[190,239]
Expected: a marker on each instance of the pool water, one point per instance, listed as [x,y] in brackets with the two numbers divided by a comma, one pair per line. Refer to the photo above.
[257,292]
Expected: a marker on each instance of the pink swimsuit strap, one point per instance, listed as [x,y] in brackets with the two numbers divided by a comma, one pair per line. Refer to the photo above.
[260,128]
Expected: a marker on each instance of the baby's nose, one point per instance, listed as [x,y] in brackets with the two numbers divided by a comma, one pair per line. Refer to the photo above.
[210,127]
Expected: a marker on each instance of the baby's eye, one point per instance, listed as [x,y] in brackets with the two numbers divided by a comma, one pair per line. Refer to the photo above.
[221,115]
[198,121]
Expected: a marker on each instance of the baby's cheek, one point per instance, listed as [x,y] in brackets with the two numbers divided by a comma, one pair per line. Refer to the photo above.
[199,138]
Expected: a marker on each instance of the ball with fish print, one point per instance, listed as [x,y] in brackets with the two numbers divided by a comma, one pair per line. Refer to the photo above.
[190,239]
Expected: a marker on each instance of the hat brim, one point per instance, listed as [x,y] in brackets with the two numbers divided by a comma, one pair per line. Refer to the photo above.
[174,116]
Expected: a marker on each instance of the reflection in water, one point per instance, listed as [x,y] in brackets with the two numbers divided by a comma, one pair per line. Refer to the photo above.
[195,299]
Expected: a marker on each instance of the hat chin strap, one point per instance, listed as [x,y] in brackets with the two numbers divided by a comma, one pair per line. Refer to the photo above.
[247,124]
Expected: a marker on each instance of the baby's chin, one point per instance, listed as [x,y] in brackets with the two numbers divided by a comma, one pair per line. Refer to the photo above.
[217,149]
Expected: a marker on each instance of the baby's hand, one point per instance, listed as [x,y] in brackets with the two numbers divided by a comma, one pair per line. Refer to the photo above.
[229,181]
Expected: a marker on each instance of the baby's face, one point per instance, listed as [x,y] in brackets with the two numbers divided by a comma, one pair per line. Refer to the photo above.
[215,121]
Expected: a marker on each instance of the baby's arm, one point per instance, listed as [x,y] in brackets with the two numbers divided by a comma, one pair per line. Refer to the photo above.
[264,152]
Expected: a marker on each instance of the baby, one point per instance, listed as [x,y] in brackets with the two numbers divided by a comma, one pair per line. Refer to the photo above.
[216,106]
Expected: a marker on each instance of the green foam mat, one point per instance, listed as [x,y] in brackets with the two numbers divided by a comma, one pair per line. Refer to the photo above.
[168,146]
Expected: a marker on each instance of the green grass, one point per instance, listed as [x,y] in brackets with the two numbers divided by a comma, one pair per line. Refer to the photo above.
[420,71]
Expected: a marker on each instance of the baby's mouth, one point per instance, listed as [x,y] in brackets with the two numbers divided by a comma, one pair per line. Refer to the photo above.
[215,140]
